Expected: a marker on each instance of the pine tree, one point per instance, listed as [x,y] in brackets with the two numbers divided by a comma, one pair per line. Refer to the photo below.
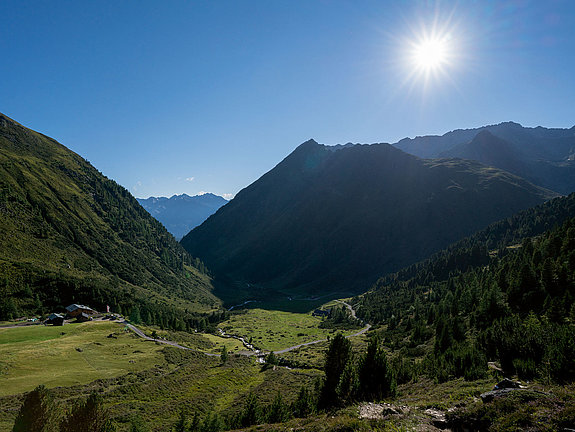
[304,405]
[212,423]
[88,416]
[375,375]
[135,317]
[181,424]
[38,412]
[224,355]
[251,414]
[138,425]
[278,410]
[338,354]
[271,359]
[348,386]
[195,424]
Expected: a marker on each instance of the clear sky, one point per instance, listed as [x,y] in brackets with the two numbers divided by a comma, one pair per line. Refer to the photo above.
[170,97]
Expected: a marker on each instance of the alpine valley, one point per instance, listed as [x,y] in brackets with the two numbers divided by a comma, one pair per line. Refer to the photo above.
[331,220]
[180,213]
[426,285]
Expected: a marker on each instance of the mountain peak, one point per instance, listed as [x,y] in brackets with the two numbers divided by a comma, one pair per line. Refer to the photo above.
[337,220]
[181,213]
[310,142]
[484,133]
[510,123]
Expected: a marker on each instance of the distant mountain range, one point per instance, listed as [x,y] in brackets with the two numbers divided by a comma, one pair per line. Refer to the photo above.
[70,235]
[334,219]
[180,213]
[545,157]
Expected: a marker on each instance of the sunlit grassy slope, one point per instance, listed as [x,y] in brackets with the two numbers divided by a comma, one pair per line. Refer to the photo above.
[69,234]
[69,355]
[136,377]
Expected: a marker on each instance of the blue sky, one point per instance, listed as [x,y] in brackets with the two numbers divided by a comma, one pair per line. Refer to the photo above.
[170,97]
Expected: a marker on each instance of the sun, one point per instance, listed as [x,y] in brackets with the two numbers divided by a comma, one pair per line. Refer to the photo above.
[430,54]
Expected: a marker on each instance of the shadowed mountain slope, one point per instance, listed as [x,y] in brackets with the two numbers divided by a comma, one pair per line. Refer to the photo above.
[333,219]
[543,156]
[69,234]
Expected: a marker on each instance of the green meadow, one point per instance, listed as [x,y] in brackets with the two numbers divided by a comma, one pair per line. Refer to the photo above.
[273,330]
[69,355]
[138,377]
[77,354]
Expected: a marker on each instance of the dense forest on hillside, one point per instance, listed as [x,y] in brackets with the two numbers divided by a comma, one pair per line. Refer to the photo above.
[68,234]
[473,250]
[470,304]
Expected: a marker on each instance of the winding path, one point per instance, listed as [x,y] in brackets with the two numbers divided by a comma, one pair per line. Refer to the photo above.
[249,346]
[359,333]
[163,341]
[352,311]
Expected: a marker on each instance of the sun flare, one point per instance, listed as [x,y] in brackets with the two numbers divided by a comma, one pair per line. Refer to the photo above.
[430,57]
[430,54]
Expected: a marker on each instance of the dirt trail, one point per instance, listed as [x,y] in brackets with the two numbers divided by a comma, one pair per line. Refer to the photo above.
[255,352]
[162,341]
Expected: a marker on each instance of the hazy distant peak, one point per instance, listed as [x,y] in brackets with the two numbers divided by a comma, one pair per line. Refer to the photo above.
[484,134]
[184,196]
[509,123]
[337,147]
[181,213]
[311,143]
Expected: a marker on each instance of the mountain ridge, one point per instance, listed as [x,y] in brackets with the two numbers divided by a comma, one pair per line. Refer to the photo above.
[328,215]
[69,234]
[545,157]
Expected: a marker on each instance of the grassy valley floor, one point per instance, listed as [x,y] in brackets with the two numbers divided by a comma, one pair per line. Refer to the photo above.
[273,330]
[144,379]
[152,381]
[69,355]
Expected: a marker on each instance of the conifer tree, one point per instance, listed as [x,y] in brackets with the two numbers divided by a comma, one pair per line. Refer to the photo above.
[272,359]
[135,316]
[338,354]
[224,355]
[195,423]
[278,410]
[251,414]
[87,416]
[38,412]
[304,405]
[138,425]
[181,424]
[375,375]
[348,385]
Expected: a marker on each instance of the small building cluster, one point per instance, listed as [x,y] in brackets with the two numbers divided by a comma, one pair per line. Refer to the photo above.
[55,319]
[80,312]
